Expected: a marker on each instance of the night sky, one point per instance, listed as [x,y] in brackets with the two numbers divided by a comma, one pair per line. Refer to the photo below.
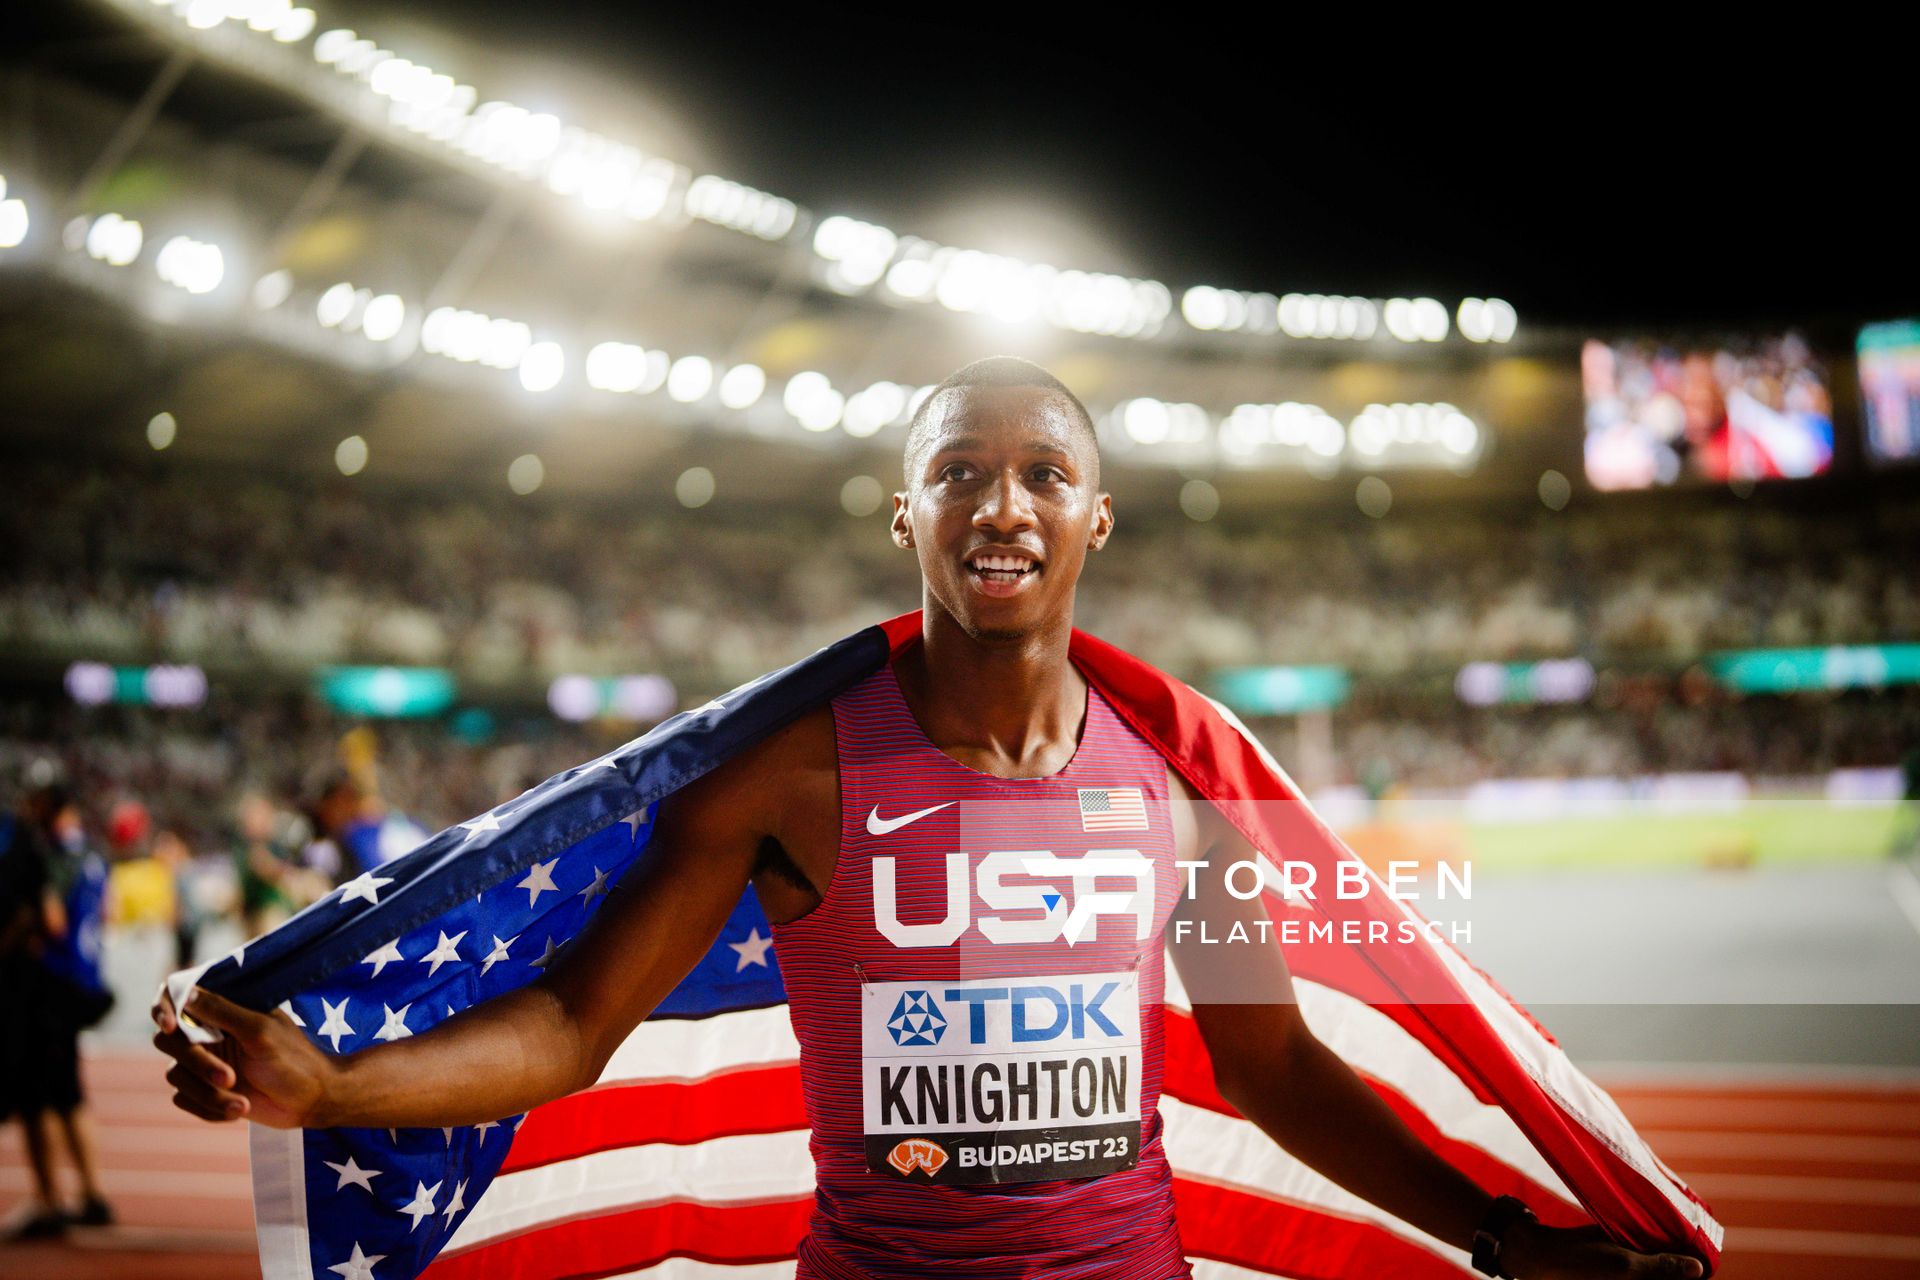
[1631,172]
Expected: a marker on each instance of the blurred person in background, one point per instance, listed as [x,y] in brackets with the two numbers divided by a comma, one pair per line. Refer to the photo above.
[273,883]
[363,831]
[54,903]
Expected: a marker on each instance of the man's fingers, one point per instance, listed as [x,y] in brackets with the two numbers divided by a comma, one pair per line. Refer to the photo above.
[223,1014]
[207,1064]
[1667,1265]
[163,1010]
[218,1103]
[193,1107]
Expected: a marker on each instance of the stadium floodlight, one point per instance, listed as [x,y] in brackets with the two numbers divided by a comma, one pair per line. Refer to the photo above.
[330,46]
[295,27]
[193,265]
[161,430]
[869,410]
[858,252]
[260,15]
[742,386]
[813,402]
[1459,434]
[542,365]
[1199,500]
[911,278]
[689,378]
[861,496]
[618,367]
[383,316]
[694,488]
[1203,308]
[272,289]
[333,306]
[526,473]
[113,239]
[1146,420]
[13,221]
[350,455]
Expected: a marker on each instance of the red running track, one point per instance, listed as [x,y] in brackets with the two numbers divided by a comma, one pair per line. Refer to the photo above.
[1813,1180]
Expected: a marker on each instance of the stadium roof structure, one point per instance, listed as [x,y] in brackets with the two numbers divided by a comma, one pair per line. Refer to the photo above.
[283,232]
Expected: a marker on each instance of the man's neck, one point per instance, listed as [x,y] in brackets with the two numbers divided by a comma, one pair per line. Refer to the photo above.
[1011,707]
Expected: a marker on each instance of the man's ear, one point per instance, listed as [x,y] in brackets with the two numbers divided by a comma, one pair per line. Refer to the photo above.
[902,522]
[1102,524]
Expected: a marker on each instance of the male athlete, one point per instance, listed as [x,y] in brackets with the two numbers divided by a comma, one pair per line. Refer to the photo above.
[865,827]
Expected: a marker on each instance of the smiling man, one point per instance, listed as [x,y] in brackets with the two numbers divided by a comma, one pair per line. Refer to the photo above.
[970,862]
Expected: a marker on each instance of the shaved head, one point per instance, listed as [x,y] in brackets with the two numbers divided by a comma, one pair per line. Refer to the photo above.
[996,371]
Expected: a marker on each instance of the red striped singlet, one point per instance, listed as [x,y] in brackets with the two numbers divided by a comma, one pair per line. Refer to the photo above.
[984,1093]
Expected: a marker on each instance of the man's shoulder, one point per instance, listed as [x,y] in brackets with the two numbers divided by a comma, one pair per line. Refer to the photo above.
[796,752]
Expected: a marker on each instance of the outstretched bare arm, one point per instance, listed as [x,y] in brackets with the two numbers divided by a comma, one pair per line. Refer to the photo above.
[511,1053]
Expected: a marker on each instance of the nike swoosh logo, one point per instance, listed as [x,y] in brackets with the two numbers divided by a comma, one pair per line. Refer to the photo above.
[879,826]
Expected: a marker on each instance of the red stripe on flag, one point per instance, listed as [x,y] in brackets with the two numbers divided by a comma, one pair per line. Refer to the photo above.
[744,1100]
[1189,1078]
[627,1240]
[1264,1233]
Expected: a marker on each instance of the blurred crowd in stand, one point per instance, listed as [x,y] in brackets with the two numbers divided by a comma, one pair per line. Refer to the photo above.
[205,569]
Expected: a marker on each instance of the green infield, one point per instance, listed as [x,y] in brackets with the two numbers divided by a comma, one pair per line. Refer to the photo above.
[1772,831]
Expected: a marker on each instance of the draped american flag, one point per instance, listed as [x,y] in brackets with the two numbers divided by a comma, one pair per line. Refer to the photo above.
[689,1157]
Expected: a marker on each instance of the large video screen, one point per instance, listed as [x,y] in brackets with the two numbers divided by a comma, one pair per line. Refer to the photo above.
[1890,389]
[1658,412]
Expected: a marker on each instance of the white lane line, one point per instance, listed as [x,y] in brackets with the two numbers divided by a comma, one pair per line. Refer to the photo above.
[1856,1148]
[1905,882]
[170,1182]
[1722,1077]
[1742,1241]
[1788,1189]
[1819,1115]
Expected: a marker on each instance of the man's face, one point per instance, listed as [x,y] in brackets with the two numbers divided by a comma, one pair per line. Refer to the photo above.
[1001,508]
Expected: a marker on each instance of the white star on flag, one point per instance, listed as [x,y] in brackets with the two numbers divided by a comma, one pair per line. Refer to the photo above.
[539,880]
[358,1267]
[447,949]
[384,956]
[365,886]
[546,957]
[396,1025]
[336,1024]
[286,1007]
[498,953]
[422,1204]
[595,890]
[637,819]
[482,1127]
[752,951]
[458,1202]
[351,1172]
[484,823]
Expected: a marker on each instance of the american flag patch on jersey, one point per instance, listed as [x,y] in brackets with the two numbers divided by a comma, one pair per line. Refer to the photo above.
[1112,809]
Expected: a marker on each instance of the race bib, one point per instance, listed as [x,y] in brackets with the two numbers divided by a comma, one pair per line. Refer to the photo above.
[1023,1079]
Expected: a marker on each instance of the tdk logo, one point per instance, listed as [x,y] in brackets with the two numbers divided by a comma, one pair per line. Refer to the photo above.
[1069,907]
[1037,1013]
[916,1020]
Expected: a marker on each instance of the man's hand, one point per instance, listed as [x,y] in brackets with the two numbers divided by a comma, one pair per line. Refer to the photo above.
[263,1069]
[1535,1252]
